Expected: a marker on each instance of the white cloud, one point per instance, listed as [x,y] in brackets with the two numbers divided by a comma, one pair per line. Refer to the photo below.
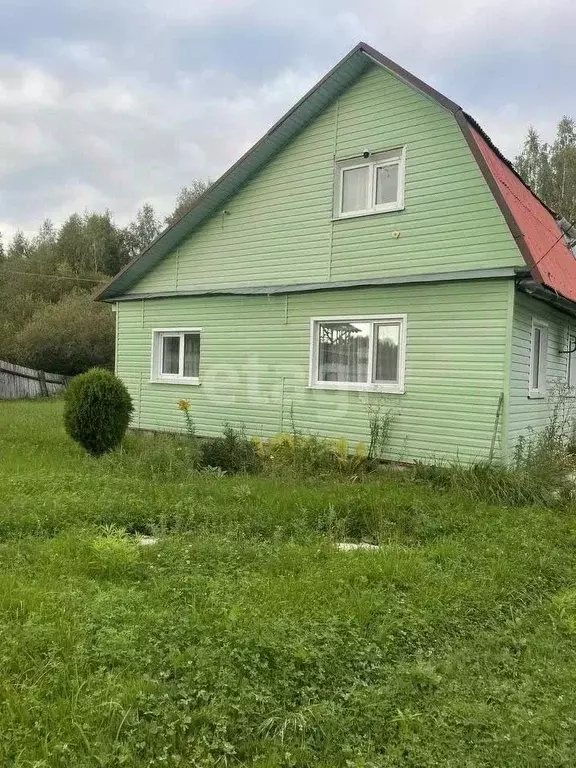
[24,146]
[8,230]
[196,11]
[23,86]
[508,125]
[115,97]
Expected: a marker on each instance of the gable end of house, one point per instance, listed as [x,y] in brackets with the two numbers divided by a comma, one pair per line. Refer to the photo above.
[536,233]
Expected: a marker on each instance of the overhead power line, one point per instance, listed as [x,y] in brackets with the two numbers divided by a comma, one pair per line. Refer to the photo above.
[52,277]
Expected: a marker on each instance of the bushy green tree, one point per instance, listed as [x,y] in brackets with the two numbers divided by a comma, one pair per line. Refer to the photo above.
[19,248]
[186,199]
[97,411]
[37,325]
[91,243]
[143,230]
[69,337]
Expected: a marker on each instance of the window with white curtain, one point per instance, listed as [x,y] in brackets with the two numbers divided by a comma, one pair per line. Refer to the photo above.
[374,184]
[358,353]
[538,359]
[176,355]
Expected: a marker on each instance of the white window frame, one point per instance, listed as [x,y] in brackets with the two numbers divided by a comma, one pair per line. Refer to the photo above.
[156,375]
[570,358]
[540,391]
[372,163]
[397,387]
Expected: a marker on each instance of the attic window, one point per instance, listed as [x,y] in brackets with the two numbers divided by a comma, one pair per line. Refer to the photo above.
[368,185]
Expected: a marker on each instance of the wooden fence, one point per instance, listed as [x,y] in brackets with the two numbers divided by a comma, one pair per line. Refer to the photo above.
[17,381]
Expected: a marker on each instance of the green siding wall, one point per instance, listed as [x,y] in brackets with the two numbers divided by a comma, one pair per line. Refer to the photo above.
[278,229]
[526,412]
[255,359]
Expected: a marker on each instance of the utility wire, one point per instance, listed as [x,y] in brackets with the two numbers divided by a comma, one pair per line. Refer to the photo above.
[554,244]
[52,277]
[531,212]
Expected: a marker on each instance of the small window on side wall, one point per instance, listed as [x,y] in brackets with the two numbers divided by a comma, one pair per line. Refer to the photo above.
[571,369]
[374,184]
[176,356]
[358,353]
[538,359]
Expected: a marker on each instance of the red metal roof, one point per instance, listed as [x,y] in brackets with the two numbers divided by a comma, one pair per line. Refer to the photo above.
[550,260]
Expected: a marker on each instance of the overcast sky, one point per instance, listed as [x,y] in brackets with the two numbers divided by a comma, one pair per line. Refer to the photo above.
[111,103]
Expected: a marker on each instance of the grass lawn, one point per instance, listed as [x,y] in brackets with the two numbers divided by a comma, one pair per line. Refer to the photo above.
[244,638]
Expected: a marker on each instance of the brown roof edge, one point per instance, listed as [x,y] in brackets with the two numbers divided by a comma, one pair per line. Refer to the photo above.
[465,123]
[408,77]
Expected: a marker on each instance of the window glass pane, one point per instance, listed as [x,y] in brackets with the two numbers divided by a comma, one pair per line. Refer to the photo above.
[387,339]
[535,359]
[543,357]
[355,189]
[170,354]
[191,354]
[572,361]
[343,351]
[386,184]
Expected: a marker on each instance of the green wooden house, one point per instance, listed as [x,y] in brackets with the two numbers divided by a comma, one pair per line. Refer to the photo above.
[372,249]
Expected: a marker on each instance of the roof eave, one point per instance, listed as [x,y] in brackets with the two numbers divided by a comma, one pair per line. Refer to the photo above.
[548,295]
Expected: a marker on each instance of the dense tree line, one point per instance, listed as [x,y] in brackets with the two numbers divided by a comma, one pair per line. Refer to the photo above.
[48,319]
[550,169]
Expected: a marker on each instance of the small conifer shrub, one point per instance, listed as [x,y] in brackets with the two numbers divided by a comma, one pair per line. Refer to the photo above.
[97,411]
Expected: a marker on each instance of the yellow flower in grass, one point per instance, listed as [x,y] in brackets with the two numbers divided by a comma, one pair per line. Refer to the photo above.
[184,405]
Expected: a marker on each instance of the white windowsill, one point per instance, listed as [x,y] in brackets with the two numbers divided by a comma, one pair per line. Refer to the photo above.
[355,387]
[534,394]
[187,382]
[358,214]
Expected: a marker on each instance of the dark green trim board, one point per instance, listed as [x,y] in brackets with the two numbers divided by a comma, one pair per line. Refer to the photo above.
[269,290]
